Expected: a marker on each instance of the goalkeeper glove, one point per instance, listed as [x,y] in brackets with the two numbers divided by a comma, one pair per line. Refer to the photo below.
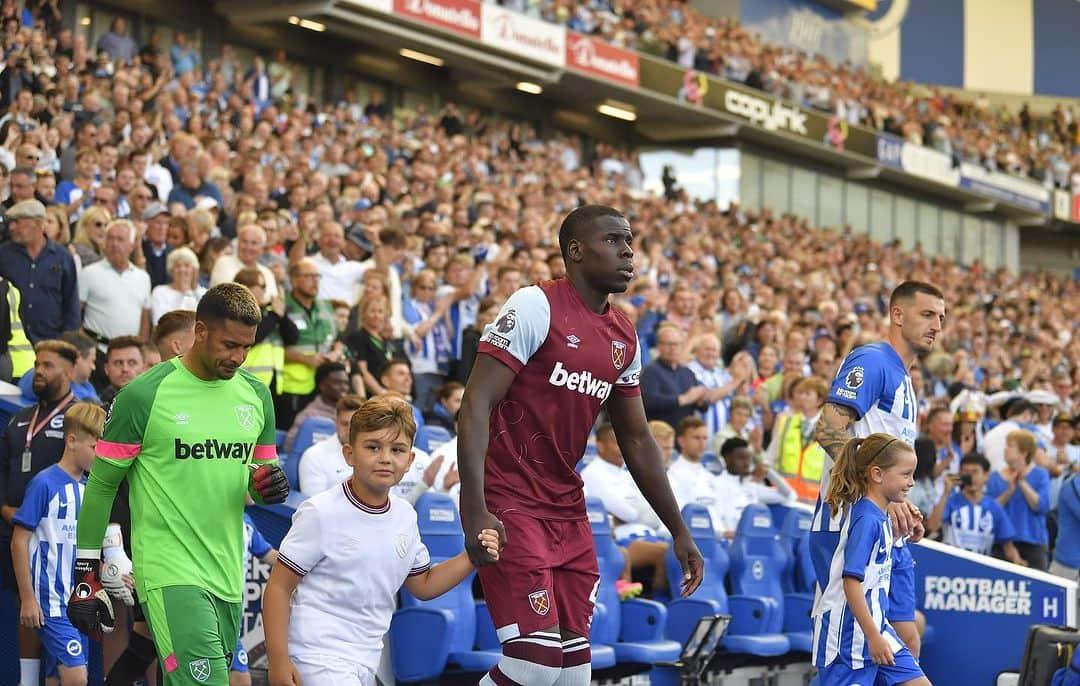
[269,484]
[115,565]
[89,609]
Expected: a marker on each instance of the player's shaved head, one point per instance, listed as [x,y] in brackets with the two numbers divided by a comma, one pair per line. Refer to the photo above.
[579,221]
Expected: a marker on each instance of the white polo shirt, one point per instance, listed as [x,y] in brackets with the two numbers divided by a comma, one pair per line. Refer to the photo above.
[323,466]
[114,300]
[622,498]
[353,559]
[339,279]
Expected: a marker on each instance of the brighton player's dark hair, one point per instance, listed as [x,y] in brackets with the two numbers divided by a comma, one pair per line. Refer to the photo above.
[61,348]
[380,413]
[578,220]
[909,289]
[229,301]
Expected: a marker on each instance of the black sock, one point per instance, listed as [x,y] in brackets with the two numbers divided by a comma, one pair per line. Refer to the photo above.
[133,663]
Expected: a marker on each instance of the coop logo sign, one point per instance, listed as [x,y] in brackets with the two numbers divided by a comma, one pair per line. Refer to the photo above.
[768,114]
[973,594]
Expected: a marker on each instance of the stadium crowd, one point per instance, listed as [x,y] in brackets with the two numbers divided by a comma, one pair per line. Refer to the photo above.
[1046,149]
[132,181]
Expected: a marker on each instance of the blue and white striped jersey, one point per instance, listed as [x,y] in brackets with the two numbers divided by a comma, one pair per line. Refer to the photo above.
[864,552]
[975,526]
[873,382]
[50,510]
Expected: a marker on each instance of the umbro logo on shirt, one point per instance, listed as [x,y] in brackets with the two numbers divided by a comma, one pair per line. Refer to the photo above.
[572,341]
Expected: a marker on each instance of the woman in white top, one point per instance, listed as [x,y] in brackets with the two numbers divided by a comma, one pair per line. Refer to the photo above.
[183,290]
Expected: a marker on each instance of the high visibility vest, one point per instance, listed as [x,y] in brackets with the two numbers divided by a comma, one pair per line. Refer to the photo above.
[20,348]
[318,329]
[801,466]
[266,361]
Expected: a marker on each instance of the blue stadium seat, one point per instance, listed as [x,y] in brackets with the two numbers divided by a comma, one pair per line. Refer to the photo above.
[634,628]
[757,556]
[313,429]
[793,529]
[429,437]
[447,626]
[747,634]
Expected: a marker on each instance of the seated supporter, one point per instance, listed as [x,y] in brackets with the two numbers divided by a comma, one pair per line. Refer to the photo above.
[758,484]
[1023,489]
[637,528]
[968,517]
[691,482]
[331,382]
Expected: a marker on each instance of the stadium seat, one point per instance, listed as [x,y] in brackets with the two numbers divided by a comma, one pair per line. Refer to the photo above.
[747,634]
[793,529]
[633,628]
[446,626]
[429,437]
[313,429]
[757,556]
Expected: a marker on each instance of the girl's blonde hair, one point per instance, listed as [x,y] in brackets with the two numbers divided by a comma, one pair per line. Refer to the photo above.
[851,473]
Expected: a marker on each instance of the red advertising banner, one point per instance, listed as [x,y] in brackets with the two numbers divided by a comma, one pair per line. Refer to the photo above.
[601,60]
[459,16]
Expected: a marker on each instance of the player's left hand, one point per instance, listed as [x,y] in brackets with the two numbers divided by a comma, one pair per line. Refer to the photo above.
[270,483]
[690,560]
[489,538]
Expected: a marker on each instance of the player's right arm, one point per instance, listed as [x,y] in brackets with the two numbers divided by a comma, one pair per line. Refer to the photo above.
[89,608]
[505,349]
[488,384]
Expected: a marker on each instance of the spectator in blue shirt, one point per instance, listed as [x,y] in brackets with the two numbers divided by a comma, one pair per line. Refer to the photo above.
[669,388]
[184,57]
[1023,489]
[117,42]
[968,517]
[192,186]
[1067,550]
[44,273]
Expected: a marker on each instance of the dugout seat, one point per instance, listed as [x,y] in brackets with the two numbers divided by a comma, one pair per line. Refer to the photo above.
[429,437]
[747,634]
[794,528]
[633,628]
[455,630]
[313,429]
[757,558]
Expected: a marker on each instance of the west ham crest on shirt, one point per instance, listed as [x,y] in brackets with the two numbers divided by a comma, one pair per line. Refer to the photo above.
[618,354]
[540,602]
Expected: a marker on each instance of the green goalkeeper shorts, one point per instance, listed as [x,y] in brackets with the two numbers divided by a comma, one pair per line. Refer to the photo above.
[195,633]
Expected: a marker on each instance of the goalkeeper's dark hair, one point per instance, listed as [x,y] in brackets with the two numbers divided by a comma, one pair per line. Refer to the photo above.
[576,223]
[383,412]
[229,301]
[85,419]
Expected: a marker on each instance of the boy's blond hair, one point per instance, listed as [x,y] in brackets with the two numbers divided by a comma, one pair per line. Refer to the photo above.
[383,412]
[661,429]
[84,420]
[1024,441]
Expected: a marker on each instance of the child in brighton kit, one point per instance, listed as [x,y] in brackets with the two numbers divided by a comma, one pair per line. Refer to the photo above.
[853,642]
[348,552]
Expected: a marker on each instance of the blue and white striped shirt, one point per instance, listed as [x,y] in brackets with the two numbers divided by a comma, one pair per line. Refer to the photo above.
[50,510]
[716,415]
[865,553]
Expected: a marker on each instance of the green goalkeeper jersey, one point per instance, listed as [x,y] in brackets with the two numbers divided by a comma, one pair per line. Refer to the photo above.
[185,446]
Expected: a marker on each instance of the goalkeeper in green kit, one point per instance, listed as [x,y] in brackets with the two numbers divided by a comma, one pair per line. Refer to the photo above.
[193,436]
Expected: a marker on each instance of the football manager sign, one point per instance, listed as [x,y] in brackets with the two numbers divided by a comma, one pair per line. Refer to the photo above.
[978,604]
